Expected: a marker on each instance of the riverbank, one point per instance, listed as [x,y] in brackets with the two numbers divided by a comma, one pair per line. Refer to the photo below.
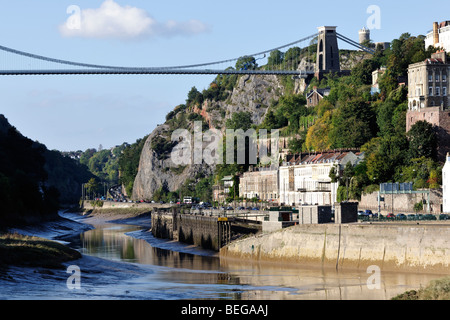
[33,279]
[20,250]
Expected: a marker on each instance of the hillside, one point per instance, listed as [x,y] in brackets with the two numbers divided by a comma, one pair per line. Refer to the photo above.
[253,95]
[33,180]
[350,117]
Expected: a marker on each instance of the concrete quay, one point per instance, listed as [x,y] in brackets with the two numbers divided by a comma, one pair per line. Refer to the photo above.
[391,247]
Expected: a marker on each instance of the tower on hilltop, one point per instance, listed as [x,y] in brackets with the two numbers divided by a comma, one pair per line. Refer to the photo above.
[364,35]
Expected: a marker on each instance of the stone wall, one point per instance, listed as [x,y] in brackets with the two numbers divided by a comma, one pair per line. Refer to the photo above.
[409,247]
[198,230]
[163,225]
[205,232]
[401,203]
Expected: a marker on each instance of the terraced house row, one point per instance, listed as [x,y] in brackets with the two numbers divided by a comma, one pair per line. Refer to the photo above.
[302,179]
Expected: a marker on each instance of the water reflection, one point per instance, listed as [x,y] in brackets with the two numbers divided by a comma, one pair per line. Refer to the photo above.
[111,242]
[195,276]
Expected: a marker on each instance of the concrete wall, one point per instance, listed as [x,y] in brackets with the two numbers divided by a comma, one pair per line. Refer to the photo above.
[314,214]
[416,248]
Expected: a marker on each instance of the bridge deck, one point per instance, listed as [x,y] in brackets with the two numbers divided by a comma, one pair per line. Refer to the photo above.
[300,73]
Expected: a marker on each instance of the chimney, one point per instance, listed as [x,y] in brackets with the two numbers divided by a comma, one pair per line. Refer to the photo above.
[436,33]
[440,55]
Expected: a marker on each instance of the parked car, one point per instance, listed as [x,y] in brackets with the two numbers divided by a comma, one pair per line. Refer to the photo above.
[411,217]
[255,209]
[401,216]
[444,217]
[390,216]
[430,217]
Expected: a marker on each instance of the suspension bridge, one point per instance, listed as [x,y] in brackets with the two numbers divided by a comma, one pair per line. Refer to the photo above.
[15,63]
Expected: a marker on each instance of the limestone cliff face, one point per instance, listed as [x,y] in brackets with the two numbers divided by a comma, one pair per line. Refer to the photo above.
[252,94]
[156,170]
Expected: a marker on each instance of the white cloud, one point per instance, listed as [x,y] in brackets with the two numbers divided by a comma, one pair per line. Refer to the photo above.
[112,20]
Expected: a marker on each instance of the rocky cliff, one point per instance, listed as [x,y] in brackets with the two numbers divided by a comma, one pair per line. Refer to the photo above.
[253,94]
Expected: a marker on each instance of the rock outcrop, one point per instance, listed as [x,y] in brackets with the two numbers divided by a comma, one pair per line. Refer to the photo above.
[252,94]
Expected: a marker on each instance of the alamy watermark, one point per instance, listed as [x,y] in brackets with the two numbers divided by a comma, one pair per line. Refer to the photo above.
[374,20]
[74,21]
[74,280]
[374,280]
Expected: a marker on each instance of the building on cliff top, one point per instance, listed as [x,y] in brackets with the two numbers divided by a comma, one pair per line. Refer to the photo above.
[428,87]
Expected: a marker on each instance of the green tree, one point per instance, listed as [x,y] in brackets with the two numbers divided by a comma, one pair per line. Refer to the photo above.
[276,57]
[354,124]
[129,164]
[240,120]
[92,187]
[246,63]
[194,96]
[422,141]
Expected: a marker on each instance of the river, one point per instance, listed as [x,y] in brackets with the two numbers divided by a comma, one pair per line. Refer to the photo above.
[124,261]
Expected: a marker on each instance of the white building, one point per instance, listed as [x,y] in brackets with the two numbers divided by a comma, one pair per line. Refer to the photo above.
[439,36]
[305,179]
[446,185]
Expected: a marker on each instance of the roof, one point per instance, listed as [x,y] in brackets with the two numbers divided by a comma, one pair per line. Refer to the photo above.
[323,157]
[322,92]
[227,178]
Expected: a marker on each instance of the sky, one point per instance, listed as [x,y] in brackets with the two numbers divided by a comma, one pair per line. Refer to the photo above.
[70,113]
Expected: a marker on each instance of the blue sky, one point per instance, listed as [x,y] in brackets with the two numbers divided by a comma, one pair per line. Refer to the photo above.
[80,112]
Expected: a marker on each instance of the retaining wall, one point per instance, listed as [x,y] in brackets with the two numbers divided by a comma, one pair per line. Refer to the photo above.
[206,232]
[416,248]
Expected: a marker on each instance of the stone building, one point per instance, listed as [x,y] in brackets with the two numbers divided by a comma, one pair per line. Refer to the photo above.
[315,96]
[222,189]
[428,84]
[261,183]
[364,35]
[305,178]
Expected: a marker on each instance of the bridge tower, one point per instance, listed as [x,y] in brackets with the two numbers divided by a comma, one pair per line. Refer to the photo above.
[327,52]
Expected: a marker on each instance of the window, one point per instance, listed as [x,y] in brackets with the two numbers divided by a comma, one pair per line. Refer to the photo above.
[438,77]
[430,78]
[444,78]
[438,91]
[444,91]
[430,91]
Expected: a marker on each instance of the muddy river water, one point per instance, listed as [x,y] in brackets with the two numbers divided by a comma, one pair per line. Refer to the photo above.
[125,262]
[186,272]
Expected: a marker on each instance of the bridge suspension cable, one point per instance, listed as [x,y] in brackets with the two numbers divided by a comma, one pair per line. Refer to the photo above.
[45,65]
[354,43]
[143,69]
